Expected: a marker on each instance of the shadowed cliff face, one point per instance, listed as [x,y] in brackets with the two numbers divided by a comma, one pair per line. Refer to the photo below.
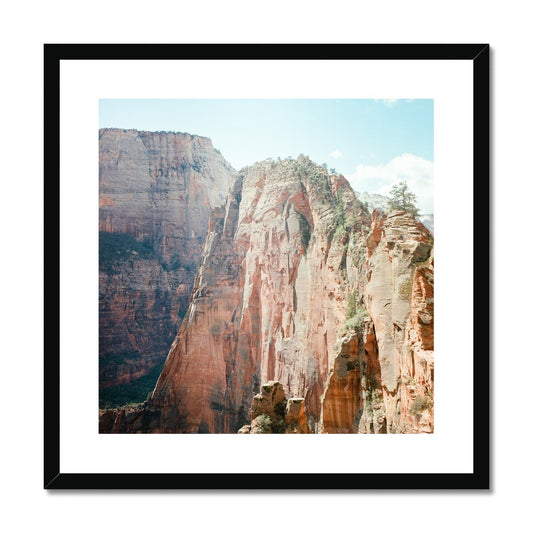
[155,198]
[299,285]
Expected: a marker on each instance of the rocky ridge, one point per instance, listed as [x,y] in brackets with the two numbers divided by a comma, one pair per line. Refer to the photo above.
[300,286]
[377,201]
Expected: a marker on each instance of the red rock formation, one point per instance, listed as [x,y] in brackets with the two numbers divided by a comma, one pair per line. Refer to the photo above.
[271,412]
[269,298]
[399,299]
[296,416]
[343,395]
[156,194]
[299,286]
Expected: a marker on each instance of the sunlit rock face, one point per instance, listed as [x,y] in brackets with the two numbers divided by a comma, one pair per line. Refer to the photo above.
[299,293]
[156,192]
[299,284]
[399,299]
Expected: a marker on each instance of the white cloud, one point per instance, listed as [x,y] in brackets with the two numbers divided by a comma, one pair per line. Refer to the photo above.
[336,154]
[416,171]
[389,102]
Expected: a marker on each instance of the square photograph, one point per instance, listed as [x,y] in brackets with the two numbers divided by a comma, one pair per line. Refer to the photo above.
[266,266]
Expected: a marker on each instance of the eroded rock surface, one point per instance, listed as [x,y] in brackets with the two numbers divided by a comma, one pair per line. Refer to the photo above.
[156,193]
[399,298]
[300,288]
[269,298]
[271,412]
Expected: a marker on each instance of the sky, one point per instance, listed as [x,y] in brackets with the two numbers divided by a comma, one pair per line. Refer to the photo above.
[373,143]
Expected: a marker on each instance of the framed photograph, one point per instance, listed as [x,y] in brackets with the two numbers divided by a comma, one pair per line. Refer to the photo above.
[266,266]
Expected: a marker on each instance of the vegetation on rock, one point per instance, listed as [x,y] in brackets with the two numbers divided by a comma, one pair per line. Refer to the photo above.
[403,199]
[131,393]
[264,424]
[419,405]
[114,247]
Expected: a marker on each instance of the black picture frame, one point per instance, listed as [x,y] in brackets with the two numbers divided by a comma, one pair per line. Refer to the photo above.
[478,54]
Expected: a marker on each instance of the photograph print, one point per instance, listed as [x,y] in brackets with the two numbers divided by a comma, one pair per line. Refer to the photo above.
[266,266]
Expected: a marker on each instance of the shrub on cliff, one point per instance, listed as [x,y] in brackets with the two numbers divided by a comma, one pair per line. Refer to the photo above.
[352,304]
[403,199]
[420,404]
[115,247]
[264,424]
[356,322]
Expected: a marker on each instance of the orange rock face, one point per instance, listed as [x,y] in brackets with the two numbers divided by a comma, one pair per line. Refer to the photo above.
[268,301]
[343,394]
[155,197]
[299,286]
[140,306]
[271,412]
[399,299]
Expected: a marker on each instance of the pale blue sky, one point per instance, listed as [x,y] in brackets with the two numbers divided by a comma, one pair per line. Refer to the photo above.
[374,143]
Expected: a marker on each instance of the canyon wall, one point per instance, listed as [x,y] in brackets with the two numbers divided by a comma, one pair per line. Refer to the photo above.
[269,297]
[382,379]
[156,192]
[300,286]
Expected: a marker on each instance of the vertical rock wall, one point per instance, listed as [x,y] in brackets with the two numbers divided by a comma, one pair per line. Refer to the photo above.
[156,191]
[382,377]
[299,286]
[269,298]
[399,299]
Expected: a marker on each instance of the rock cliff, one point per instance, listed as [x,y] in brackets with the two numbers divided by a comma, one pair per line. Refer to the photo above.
[378,201]
[300,288]
[269,298]
[271,412]
[399,298]
[156,192]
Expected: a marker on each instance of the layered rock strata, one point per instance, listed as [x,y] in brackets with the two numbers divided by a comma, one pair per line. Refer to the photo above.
[399,298]
[299,286]
[269,298]
[382,378]
[155,198]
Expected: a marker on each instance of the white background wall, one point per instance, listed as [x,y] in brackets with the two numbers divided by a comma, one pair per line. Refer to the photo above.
[25,26]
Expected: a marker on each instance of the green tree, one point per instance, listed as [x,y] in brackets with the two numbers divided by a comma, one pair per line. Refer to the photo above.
[403,199]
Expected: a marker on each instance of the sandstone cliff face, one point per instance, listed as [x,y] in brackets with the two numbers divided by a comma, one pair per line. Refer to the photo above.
[301,289]
[161,187]
[400,302]
[140,308]
[271,412]
[382,380]
[269,298]
[156,194]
